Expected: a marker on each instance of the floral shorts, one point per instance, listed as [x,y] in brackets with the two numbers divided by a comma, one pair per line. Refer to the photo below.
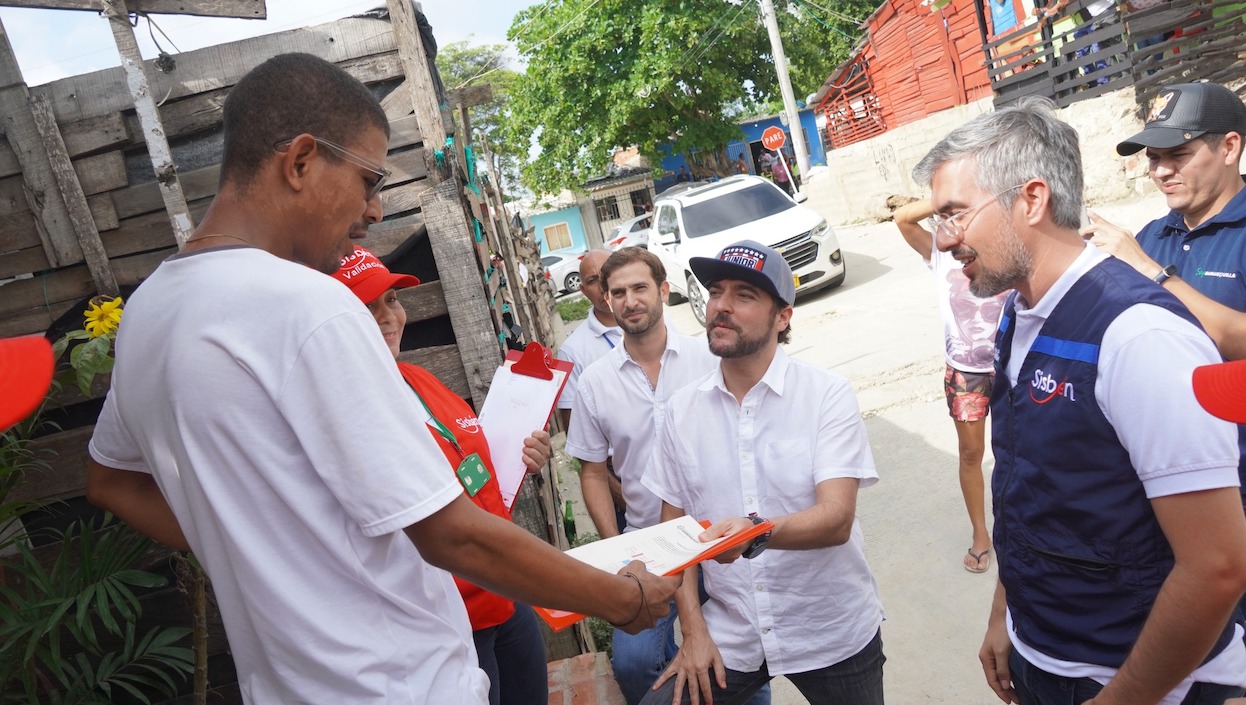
[968,393]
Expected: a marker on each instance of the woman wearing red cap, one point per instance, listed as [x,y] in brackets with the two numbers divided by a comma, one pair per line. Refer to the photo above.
[508,641]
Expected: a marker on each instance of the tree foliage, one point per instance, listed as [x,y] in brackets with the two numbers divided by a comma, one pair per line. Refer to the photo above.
[603,74]
[462,65]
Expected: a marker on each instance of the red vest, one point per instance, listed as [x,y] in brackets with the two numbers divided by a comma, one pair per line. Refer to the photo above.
[483,607]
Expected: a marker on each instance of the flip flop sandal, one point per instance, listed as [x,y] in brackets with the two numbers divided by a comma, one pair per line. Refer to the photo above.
[977,559]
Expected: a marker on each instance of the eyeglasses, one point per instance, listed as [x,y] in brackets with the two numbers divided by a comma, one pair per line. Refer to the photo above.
[382,174]
[948,225]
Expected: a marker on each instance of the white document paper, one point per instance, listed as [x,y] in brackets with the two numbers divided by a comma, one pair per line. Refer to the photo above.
[663,547]
[516,406]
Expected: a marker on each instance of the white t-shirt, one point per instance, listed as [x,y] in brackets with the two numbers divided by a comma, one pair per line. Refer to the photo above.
[1174,445]
[618,414]
[969,322]
[587,343]
[800,425]
[258,394]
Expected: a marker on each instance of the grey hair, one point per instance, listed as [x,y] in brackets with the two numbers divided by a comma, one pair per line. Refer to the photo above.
[1012,146]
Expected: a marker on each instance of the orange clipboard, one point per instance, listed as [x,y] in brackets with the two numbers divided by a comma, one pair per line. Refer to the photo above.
[561,619]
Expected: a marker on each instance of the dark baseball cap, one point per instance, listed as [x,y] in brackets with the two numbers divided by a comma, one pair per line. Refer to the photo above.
[751,262]
[1182,112]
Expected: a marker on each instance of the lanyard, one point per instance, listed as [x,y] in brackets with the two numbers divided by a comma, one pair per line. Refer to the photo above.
[606,337]
[439,426]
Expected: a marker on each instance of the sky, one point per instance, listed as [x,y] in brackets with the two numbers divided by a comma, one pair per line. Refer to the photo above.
[54,44]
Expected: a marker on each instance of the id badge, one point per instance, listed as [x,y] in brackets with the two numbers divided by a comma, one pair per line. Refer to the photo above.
[472,474]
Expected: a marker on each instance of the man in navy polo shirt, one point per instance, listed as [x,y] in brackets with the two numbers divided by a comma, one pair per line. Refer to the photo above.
[1120,539]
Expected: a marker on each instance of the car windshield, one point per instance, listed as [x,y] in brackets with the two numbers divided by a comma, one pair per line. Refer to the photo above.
[548,260]
[735,209]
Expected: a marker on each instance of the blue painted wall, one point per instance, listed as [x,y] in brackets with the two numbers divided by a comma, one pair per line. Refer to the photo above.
[750,132]
[575,224]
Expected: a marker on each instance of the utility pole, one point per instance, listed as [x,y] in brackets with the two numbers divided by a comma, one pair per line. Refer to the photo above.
[785,85]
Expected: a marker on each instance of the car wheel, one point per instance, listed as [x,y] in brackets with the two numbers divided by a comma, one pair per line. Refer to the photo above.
[572,282]
[696,299]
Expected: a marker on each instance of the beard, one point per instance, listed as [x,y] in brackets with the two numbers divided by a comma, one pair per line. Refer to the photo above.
[743,345]
[646,324]
[1016,268]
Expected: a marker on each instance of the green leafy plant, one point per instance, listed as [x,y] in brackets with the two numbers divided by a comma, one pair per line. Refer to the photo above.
[68,631]
[574,309]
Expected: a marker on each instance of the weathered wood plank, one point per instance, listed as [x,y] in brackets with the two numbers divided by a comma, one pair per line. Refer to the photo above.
[398,103]
[82,137]
[146,232]
[70,284]
[101,92]
[387,236]
[100,173]
[405,197]
[68,475]
[23,261]
[146,198]
[103,212]
[244,9]
[453,250]
[202,111]
[415,63]
[443,361]
[17,231]
[70,181]
[423,302]
[139,84]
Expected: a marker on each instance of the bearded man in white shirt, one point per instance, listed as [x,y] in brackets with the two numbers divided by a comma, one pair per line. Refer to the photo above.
[766,437]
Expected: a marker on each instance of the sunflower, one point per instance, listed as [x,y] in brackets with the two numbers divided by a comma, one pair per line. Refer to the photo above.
[103,315]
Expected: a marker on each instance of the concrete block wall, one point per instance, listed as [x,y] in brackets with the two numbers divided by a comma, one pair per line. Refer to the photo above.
[584,680]
[858,179]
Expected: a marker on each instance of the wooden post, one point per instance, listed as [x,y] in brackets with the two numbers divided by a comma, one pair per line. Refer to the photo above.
[455,253]
[149,117]
[415,64]
[245,9]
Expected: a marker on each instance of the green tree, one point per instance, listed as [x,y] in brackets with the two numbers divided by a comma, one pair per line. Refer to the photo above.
[603,74]
[462,65]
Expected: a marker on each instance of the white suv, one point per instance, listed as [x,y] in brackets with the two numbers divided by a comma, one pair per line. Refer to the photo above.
[700,222]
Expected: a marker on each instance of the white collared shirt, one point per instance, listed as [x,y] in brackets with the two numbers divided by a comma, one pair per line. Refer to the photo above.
[587,343]
[617,410]
[1148,343]
[800,425]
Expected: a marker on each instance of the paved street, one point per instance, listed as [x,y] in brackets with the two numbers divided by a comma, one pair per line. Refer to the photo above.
[881,330]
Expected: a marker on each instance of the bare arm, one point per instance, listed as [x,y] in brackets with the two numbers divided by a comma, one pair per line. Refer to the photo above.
[698,654]
[595,483]
[827,523]
[1226,326]
[503,558]
[996,647]
[908,219]
[1207,532]
[136,499]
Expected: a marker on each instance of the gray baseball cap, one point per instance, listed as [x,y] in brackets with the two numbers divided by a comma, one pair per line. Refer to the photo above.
[1182,112]
[752,262]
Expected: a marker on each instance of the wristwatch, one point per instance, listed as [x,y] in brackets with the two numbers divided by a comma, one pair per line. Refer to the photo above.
[759,544]
[1165,274]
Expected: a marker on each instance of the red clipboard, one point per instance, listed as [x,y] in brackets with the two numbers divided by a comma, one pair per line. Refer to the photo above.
[561,619]
[512,410]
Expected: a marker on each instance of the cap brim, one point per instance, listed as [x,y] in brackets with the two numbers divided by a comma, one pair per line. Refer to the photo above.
[369,289]
[1221,389]
[711,269]
[26,367]
[1158,137]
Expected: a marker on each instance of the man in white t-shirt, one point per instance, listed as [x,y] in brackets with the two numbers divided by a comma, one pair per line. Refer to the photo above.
[618,413]
[969,325]
[1118,527]
[256,417]
[766,437]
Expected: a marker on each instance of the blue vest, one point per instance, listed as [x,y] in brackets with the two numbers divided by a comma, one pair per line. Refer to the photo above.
[1081,554]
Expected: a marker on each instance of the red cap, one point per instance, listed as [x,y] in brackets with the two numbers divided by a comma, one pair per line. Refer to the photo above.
[26,366]
[1221,389]
[368,278]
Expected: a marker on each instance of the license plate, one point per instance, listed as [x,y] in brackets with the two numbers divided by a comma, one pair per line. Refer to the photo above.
[796,280]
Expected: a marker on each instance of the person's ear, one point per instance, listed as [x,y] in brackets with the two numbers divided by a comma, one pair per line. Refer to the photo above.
[297,161]
[1034,199]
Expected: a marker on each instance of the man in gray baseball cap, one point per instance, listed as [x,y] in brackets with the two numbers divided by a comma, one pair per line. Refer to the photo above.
[1185,111]
[765,437]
